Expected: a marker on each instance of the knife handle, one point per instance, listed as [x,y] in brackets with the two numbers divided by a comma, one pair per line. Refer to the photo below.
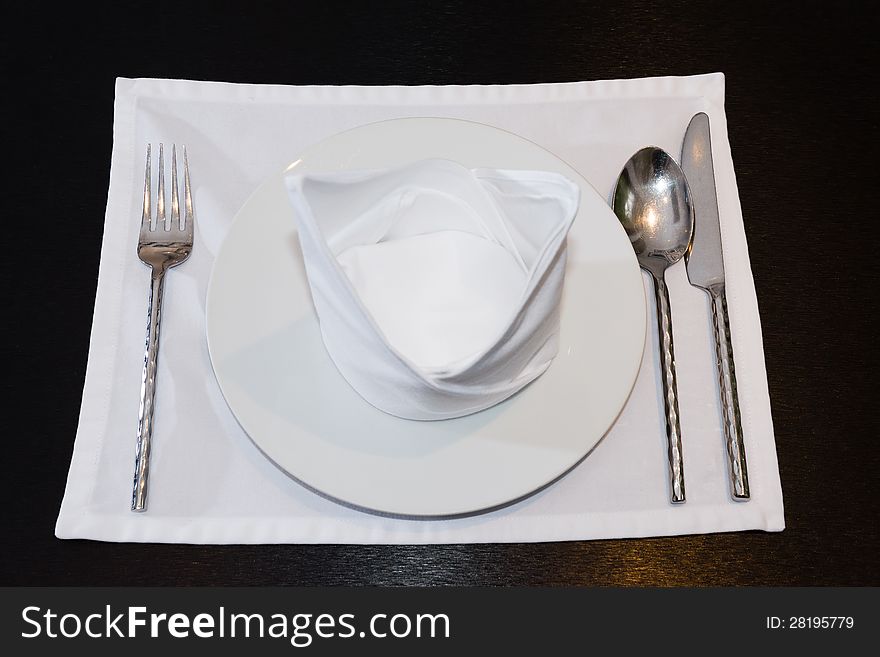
[730,415]
[670,389]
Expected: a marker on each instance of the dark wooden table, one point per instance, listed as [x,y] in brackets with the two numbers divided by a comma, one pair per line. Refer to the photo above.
[802,127]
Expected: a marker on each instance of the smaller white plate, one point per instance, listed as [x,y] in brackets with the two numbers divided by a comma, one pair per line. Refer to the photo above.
[281,385]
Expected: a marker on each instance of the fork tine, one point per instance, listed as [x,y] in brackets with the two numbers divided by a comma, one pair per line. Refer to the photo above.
[160,198]
[187,195]
[175,201]
[145,219]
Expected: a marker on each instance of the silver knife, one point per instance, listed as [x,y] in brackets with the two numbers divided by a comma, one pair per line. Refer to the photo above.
[705,269]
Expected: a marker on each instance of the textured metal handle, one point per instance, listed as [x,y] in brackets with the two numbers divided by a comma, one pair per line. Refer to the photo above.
[670,389]
[148,393]
[733,433]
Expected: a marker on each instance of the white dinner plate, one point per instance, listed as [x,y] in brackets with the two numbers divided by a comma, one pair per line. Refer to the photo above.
[268,357]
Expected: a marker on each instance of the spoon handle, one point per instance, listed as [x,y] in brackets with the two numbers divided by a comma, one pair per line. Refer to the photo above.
[733,433]
[670,389]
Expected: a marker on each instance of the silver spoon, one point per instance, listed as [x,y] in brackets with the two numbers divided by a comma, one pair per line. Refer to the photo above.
[653,203]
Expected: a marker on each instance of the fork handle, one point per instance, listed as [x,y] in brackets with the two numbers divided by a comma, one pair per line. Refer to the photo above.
[148,393]
[733,432]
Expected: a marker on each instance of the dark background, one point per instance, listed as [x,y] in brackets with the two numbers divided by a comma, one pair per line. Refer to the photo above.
[803,129]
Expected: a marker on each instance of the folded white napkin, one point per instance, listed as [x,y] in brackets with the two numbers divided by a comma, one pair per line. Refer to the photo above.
[437,287]
[210,484]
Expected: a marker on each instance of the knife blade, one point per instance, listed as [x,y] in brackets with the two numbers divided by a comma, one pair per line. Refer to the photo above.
[705,262]
[705,269]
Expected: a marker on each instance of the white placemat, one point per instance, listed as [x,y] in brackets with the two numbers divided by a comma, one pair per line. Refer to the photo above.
[209,483]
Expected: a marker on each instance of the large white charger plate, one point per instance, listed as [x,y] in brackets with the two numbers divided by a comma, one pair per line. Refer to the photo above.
[266,350]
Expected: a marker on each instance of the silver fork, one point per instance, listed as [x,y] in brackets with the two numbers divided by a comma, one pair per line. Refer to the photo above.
[161,246]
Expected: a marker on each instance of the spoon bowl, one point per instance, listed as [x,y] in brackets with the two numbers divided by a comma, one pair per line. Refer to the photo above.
[653,203]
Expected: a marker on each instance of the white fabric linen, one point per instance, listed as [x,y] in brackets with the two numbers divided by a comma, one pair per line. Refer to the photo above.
[209,484]
[437,287]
